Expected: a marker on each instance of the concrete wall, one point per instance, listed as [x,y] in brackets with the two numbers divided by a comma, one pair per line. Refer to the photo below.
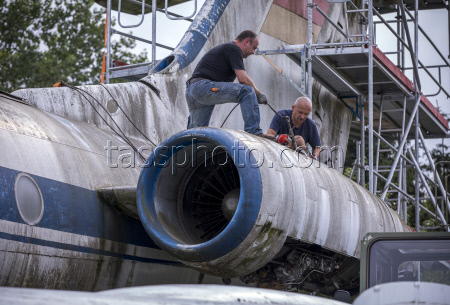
[287,26]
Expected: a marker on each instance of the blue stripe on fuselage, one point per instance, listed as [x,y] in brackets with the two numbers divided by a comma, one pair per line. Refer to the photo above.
[73,209]
[76,248]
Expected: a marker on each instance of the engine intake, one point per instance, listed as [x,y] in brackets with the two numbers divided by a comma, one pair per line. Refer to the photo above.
[224,202]
[202,208]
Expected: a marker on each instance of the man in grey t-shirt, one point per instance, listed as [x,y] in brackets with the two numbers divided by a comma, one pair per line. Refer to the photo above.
[212,83]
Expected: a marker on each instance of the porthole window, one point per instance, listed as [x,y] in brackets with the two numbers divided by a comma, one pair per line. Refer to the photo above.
[28,199]
[112,106]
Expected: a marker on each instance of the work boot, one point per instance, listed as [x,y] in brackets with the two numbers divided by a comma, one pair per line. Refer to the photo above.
[263,135]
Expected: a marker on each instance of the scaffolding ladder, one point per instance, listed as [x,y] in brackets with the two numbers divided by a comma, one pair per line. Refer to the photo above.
[116,69]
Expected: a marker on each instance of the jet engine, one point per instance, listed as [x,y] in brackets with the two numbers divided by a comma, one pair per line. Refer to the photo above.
[231,204]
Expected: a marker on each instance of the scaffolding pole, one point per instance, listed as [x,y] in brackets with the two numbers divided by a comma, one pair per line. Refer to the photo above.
[430,193]
[370,97]
[309,49]
[417,83]
[401,146]
[108,41]
[378,145]
[433,168]
[362,153]
[154,32]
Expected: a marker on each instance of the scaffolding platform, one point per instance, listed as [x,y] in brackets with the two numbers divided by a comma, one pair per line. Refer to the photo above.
[138,71]
[344,72]
[390,85]
[389,6]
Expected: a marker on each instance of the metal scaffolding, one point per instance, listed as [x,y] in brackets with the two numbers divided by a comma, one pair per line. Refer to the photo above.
[136,71]
[353,72]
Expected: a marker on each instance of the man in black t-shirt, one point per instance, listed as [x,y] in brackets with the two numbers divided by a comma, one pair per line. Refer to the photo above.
[305,129]
[212,83]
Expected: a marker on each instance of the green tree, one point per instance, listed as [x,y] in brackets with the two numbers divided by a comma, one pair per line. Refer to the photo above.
[42,42]
[441,157]
[441,153]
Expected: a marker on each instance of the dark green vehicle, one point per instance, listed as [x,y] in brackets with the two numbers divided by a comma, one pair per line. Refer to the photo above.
[405,268]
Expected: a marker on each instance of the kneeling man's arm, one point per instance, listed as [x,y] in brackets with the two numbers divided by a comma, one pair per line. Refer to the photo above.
[244,79]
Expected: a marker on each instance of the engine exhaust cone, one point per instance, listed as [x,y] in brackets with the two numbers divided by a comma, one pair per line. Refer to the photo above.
[230,203]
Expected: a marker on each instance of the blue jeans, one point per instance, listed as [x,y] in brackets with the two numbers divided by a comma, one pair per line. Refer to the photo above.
[201,100]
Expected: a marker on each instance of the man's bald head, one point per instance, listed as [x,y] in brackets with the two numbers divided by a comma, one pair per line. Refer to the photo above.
[304,102]
[300,110]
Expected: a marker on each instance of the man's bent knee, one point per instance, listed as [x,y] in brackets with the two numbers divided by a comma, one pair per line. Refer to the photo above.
[246,89]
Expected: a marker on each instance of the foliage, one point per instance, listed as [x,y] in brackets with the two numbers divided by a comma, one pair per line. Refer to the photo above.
[43,42]
[441,153]
[435,276]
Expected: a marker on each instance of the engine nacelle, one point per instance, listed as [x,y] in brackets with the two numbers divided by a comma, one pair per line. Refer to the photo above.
[227,203]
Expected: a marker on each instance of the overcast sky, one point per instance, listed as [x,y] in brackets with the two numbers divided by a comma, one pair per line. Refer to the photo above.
[435,25]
